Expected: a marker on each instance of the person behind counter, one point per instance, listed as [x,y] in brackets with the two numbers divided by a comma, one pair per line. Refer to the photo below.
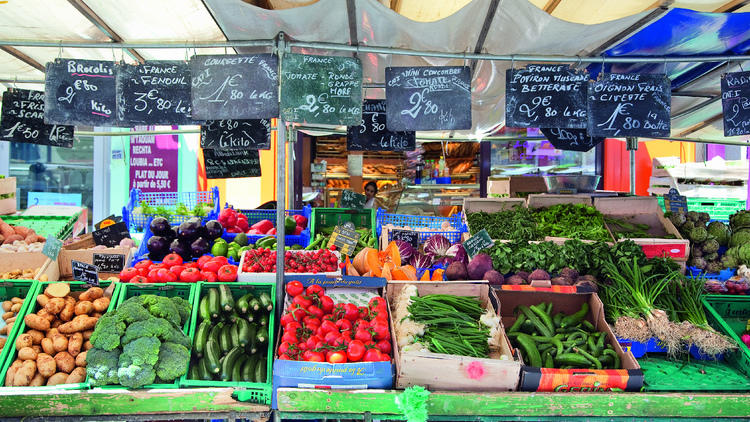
[371,189]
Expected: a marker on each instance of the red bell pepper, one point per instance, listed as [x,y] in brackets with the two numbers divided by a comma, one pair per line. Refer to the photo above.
[263,226]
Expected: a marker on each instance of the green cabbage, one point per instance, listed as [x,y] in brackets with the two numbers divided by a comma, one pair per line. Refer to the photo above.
[740,238]
[698,235]
[739,220]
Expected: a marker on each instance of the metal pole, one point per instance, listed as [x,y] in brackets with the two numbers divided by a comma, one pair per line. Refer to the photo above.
[140,45]
[280,194]
[631,144]
[290,168]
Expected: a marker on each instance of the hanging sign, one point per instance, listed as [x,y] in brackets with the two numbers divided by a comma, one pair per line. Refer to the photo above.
[87,273]
[675,202]
[80,92]
[154,162]
[109,263]
[231,164]
[735,103]
[345,238]
[428,98]
[629,105]
[236,134]
[571,139]
[351,199]
[154,93]
[545,96]
[321,89]
[235,87]
[111,236]
[477,243]
[372,134]
[409,236]
[23,121]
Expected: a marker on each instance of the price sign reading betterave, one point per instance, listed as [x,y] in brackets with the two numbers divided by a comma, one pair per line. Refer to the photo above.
[409,236]
[629,105]
[87,273]
[236,134]
[571,139]
[231,164]
[235,87]
[109,263]
[476,243]
[321,89]
[545,96]
[735,103]
[51,248]
[111,236]
[80,92]
[428,98]
[345,238]
[372,134]
[351,199]
[23,121]
[154,93]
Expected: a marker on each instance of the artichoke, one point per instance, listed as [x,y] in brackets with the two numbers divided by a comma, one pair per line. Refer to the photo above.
[693,216]
[733,252]
[743,254]
[704,217]
[698,235]
[686,228]
[728,262]
[712,257]
[678,219]
[739,220]
[713,268]
[710,246]
[719,231]
[696,251]
[697,262]
[740,238]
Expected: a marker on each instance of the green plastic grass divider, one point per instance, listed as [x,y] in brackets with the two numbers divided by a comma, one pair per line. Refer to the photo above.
[729,315]
[332,217]
[9,289]
[59,226]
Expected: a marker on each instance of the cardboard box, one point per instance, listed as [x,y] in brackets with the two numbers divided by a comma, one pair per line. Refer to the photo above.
[491,204]
[437,371]
[646,210]
[87,256]
[546,200]
[26,260]
[8,187]
[246,277]
[512,186]
[85,242]
[630,378]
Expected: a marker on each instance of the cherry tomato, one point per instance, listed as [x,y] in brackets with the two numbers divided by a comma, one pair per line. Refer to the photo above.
[289,337]
[284,357]
[313,341]
[331,336]
[341,341]
[329,326]
[376,302]
[284,347]
[364,312]
[336,357]
[286,319]
[294,288]
[355,351]
[292,326]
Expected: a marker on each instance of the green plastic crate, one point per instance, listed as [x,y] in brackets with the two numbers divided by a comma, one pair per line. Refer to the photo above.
[8,290]
[729,315]
[59,226]
[36,290]
[332,217]
[256,392]
[718,209]
[664,374]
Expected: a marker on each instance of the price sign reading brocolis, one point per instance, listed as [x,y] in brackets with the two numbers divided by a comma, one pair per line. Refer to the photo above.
[476,243]
[351,199]
[23,121]
[735,103]
[345,238]
[154,93]
[571,139]
[80,92]
[372,134]
[236,134]
[230,164]
[321,89]
[545,96]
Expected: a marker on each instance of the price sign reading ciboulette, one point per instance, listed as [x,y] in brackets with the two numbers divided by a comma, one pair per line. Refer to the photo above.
[372,134]
[80,92]
[23,121]
[154,93]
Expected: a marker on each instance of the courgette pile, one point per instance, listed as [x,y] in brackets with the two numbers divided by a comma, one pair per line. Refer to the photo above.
[231,341]
[560,341]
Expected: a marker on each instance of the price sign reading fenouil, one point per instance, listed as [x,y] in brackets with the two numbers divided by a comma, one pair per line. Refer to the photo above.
[372,134]
[235,87]
[87,273]
[571,139]
[240,134]
[345,238]
[545,96]
[428,98]
[321,89]
[23,121]
[735,103]
[476,243]
[629,105]
[351,199]
[154,93]
[231,164]
[80,92]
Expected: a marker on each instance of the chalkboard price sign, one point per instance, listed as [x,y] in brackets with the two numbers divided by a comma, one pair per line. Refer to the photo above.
[230,164]
[674,202]
[428,98]
[87,273]
[80,92]
[632,104]
[409,236]
[735,103]
[351,199]
[235,87]
[109,263]
[345,238]
[321,89]
[545,96]
[476,243]
[236,134]
[111,236]
[571,139]
[372,134]
[23,121]
[154,93]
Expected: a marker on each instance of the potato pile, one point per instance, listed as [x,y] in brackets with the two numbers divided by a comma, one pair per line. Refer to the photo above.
[10,311]
[53,349]
[27,274]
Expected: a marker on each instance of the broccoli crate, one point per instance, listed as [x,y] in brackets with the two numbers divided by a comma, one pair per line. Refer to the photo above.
[10,289]
[185,291]
[32,307]
[235,336]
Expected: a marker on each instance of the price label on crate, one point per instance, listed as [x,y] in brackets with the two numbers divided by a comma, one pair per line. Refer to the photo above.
[111,236]
[675,202]
[345,238]
[409,236]
[109,263]
[52,247]
[351,199]
[476,243]
[87,273]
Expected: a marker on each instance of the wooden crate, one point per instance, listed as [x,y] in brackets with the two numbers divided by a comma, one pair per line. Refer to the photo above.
[25,260]
[87,256]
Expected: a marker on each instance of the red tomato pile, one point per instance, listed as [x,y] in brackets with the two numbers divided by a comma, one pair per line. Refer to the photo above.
[317,330]
[172,269]
[263,260]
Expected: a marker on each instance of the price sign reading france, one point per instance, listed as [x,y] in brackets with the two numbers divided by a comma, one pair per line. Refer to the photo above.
[154,93]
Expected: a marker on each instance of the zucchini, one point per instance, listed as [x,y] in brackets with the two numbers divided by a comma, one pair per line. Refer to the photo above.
[226,298]
[235,332]
[203,310]
[225,339]
[212,356]
[265,301]
[263,320]
[203,372]
[213,302]
[530,351]
[261,335]
[228,364]
[231,317]
[252,346]
[215,333]
[194,374]
[237,368]
[260,371]
[248,369]
[243,331]
[243,303]
[577,317]
[254,304]
[201,336]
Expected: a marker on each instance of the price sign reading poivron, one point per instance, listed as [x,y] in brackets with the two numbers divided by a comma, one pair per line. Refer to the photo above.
[321,89]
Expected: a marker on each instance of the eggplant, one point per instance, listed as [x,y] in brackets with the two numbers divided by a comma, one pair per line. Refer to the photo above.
[160,226]
[214,230]
[158,247]
[200,247]
[188,231]
[182,249]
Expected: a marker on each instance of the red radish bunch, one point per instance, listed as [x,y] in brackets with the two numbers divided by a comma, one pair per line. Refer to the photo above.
[233,221]
[172,270]
[317,330]
[263,260]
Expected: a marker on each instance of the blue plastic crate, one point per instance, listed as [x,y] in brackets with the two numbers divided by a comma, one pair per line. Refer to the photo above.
[138,222]
[254,216]
[452,236]
[419,221]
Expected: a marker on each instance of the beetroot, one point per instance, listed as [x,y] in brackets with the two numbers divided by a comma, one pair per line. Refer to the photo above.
[480,264]
[515,280]
[494,277]
[524,275]
[539,275]
[456,271]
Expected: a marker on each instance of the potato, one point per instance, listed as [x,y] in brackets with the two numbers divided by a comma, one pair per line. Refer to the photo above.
[65,362]
[48,346]
[75,295]
[7,305]
[24,374]
[9,314]
[92,294]
[11,320]
[4,330]
[52,332]
[87,345]
[79,323]
[75,343]
[36,348]
[36,322]
[27,353]
[2,342]
[16,300]
[55,305]
[57,290]
[78,375]
[60,343]
[46,364]
[87,334]
[56,324]
[68,312]
[36,336]
[15,366]
[42,300]
[58,378]
[24,340]
[97,314]
[80,359]
[42,313]
[84,307]
[37,381]
[16,307]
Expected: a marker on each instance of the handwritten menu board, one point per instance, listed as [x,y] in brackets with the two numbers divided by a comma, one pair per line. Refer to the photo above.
[236,134]
[154,93]
[428,98]
[632,104]
[321,89]
[235,87]
[23,121]
[372,134]
[154,162]
[229,164]
[545,96]
[351,199]
[109,263]
[735,103]
[571,139]
[80,92]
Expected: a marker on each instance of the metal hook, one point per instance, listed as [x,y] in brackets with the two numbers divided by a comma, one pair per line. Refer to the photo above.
[580,60]
[665,65]
[187,50]
[15,79]
[603,72]
[195,52]
[59,52]
[512,61]
[739,63]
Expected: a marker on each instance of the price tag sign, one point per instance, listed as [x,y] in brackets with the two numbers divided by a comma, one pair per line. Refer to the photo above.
[87,273]
[478,242]
[109,263]
[735,91]
[52,247]
[80,92]
[111,236]
[351,199]
[571,139]
[231,163]
[675,202]
[109,221]
[372,135]
[345,239]
[154,93]
[408,236]
[23,121]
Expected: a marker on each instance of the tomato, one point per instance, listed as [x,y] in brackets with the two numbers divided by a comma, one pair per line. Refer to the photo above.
[163,275]
[372,355]
[363,335]
[286,318]
[209,276]
[291,326]
[172,259]
[212,266]
[227,273]
[364,312]
[311,356]
[376,302]
[344,324]
[313,341]
[328,326]
[284,347]
[302,346]
[330,317]
[351,312]
[336,357]
[202,261]
[326,304]
[299,314]
[289,337]
[315,311]
[190,275]
[341,341]
[302,301]
[384,346]
[380,330]
[143,264]
[177,269]
[127,274]
[339,311]
[355,350]
[284,357]
[294,288]
[223,260]
[315,290]
[311,321]
[331,336]
[153,275]
[361,323]
[379,314]
[139,279]
[191,265]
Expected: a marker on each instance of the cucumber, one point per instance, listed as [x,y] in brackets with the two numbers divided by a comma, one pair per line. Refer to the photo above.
[225,339]
[248,369]
[213,353]
[252,346]
[237,368]
[572,359]
[265,301]
[194,373]
[228,363]
[530,352]
[243,330]
[215,333]
[263,320]
[201,336]
[261,335]
[232,316]
[254,304]
[213,302]
[260,371]
[243,303]
[225,297]
[203,310]
[203,372]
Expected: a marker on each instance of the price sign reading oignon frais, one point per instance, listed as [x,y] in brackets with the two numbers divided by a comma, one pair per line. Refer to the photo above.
[80,92]
[23,121]
[154,93]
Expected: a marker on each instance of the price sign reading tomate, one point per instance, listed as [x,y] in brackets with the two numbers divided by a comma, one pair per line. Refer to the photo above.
[154,93]
[23,121]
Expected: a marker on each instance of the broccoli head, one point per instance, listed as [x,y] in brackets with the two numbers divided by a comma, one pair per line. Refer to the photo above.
[131,310]
[132,375]
[179,337]
[163,307]
[173,361]
[183,307]
[152,327]
[142,351]
[101,366]
[109,329]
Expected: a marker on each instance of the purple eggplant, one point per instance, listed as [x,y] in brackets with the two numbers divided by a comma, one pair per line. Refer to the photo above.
[200,247]
[182,249]
[214,230]
[160,226]
[188,231]
[158,247]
